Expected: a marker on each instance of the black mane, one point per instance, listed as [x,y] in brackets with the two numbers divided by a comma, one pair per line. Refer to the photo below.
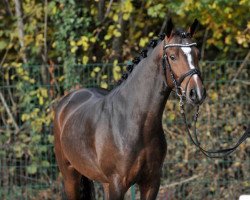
[143,54]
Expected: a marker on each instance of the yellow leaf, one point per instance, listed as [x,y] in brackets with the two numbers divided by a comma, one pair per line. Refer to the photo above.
[97,69]
[104,85]
[107,37]
[73,49]
[25,117]
[54,10]
[92,74]
[127,6]
[171,117]
[61,79]
[115,17]
[26,78]
[117,33]
[126,16]
[17,65]
[39,39]
[150,34]
[143,42]
[6,76]
[93,39]
[12,77]
[54,44]
[248,25]
[117,68]
[214,96]
[116,73]
[115,62]
[84,42]
[105,76]
[103,45]
[72,43]
[32,80]
[20,71]
[85,60]
[79,43]
[228,40]
[41,101]
[237,164]
[44,92]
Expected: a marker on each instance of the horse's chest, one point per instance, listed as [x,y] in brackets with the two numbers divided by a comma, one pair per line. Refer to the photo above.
[135,168]
[148,161]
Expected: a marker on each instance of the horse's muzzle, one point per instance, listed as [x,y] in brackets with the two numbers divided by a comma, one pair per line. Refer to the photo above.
[197,95]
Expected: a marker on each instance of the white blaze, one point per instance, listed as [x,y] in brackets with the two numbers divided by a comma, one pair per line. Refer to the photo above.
[187,52]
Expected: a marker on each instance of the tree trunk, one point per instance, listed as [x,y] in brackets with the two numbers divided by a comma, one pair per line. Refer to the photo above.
[101,10]
[20,27]
[44,69]
[118,41]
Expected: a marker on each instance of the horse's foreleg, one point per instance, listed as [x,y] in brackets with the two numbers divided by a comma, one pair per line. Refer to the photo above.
[149,189]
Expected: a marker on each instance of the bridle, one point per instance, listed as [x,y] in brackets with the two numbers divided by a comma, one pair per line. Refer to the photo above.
[165,64]
[181,94]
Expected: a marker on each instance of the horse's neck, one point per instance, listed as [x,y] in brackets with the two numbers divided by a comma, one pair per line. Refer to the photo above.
[143,94]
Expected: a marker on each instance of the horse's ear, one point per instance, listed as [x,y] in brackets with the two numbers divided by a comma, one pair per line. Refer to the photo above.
[193,27]
[169,28]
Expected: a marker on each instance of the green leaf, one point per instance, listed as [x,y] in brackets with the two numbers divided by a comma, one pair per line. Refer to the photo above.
[45,163]
[3,45]
[32,169]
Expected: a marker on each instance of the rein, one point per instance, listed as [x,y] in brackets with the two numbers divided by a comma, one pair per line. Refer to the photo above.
[177,85]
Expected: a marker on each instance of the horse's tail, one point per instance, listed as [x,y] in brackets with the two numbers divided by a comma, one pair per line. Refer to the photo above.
[87,189]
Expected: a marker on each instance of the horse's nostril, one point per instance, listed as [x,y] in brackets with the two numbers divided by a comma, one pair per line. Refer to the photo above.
[197,96]
[193,94]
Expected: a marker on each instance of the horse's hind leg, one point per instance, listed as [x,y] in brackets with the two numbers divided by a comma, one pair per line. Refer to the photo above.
[77,186]
[72,178]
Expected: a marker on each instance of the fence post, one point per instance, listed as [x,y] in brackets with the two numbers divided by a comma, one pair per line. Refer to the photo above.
[132,189]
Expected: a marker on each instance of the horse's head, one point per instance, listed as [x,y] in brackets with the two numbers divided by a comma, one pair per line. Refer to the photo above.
[181,58]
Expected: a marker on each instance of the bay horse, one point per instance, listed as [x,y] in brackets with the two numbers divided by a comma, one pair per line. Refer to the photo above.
[116,137]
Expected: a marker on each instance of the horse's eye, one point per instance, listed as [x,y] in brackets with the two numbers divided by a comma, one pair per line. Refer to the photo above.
[172,57]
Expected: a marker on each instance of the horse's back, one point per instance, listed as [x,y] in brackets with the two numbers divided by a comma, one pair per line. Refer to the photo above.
[74,100]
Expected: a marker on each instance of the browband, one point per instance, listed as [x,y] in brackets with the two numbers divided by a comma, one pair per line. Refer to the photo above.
[180,45]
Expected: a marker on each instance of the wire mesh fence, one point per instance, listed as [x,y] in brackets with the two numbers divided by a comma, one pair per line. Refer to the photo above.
[27,164]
